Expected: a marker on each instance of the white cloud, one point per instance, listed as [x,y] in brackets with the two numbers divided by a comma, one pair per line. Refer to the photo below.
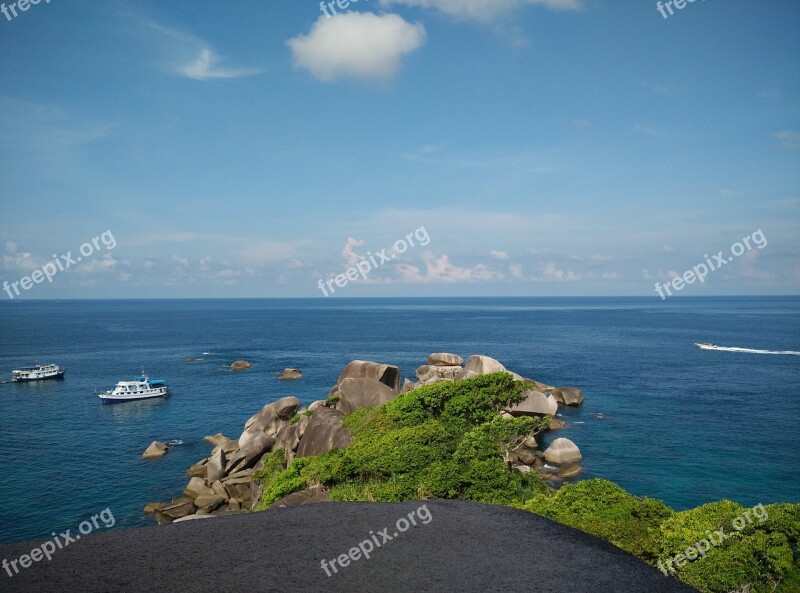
[192,57]
[359,45]
[501,255]
[516,271]
[349,252]
[550,272]
[11,247]
[442,271]
[206,67]
[484,11]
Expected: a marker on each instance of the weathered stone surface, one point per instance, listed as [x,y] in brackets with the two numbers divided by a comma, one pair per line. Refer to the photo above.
[427,372]
[465,374]
[151,507]
[317,404]
[552,405]
[290,374]
[249,455]
[218,489]
[216,439]
[311,495]
[445,359]
[287,439]
[323,433]
[199,469]
[269,419]
[569,396]
[355,394]
[388,374]
[483,365]
[556,424]
[208,501]
[196,487]
[175,510]
[216,465]
[534,404]
[562,451]
[408,385]
[569,470]
[156,449]
[531,443]
[525,456]
[525,469]
[240,365]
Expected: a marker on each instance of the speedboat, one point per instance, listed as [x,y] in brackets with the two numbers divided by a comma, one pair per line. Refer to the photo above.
[40,372]
[704,346]
[141,387]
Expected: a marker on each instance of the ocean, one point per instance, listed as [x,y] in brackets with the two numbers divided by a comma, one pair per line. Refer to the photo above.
[661,418]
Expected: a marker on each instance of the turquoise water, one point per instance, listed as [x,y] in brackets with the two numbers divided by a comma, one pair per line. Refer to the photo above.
[661,417]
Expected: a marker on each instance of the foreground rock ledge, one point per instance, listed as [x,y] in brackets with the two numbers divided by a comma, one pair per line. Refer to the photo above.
[466,547]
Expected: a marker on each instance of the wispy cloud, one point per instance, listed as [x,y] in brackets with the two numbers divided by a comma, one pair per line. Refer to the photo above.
[194,58]
[484,11]
[207,67]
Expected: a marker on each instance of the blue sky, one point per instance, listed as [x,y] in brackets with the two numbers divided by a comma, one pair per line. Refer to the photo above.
[251,149]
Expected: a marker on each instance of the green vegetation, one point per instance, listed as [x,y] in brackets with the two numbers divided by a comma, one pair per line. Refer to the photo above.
[448,440]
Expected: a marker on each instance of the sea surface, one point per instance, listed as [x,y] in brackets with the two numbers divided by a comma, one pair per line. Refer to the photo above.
[662,418]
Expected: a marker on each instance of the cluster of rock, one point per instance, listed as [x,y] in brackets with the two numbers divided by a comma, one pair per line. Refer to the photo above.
[241,365]
[222,482]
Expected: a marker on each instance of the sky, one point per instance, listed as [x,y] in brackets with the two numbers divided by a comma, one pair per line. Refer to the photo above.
[482,147]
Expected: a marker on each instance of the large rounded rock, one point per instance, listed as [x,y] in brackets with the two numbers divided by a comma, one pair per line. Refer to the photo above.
[240,365]
[534,404]
[269,419]
[569,396]
[445,359]
[483,365]
[355,394]
[388,374]
[562,451]
[323,433]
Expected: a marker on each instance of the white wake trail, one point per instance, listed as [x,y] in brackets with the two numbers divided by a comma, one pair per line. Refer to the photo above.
[753,351]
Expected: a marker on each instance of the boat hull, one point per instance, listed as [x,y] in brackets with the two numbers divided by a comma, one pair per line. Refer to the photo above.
[116,399]
[55,377]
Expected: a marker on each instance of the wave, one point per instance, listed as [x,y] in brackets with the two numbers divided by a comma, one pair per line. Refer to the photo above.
[754,351]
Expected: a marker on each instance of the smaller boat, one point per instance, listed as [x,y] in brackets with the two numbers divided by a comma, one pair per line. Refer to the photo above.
[704,346]
[141,387]
[40,372]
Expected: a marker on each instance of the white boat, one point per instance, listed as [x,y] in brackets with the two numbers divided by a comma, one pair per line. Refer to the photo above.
[40,372]
[704,346]
[140,388]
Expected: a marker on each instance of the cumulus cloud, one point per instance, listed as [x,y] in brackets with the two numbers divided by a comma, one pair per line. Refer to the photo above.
[359,45]
[442,271]
[349,252]
[516,271]
[484,10]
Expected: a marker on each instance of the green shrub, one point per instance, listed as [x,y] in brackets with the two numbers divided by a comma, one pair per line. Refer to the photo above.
[602,508]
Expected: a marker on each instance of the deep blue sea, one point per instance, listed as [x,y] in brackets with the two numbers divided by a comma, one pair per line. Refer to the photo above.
[661,417]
